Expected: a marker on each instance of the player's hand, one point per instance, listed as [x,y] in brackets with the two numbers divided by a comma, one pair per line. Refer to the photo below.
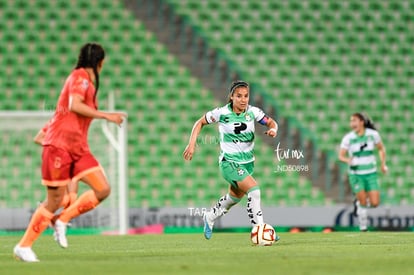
[116,118]
[384,169]
[271,133]
[350,161]
[188,152]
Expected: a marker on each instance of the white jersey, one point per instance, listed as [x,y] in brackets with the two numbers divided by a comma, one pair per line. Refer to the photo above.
[236,132]
[361,150]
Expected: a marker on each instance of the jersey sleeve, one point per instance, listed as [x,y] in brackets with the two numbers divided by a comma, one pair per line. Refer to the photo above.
[259,115]
[377,137]
[213,115]
[345,143]
[79,85]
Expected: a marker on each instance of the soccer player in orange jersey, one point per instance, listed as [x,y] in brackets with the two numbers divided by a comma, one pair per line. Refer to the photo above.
[66,155]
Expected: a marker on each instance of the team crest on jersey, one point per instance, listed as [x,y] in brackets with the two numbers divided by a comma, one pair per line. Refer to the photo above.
[247,117]
[212,119]
[240,171]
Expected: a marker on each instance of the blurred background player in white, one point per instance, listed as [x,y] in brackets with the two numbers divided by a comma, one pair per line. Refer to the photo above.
[357,150]
[236,126]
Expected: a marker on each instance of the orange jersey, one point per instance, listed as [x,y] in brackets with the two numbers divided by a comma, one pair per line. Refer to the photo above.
[68,130]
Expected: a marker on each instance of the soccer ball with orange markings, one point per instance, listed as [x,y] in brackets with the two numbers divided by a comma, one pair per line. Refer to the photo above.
[263,235]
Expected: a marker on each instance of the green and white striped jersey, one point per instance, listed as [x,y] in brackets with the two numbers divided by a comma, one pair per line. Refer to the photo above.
[361,149]
[236,132]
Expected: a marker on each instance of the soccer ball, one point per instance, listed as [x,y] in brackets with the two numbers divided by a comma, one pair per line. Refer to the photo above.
[263,235]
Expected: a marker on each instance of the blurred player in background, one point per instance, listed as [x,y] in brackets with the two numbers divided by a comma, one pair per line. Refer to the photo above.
[236,126]
[357,150]
[66,155]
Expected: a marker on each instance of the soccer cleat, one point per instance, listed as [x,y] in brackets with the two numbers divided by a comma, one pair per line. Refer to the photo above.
[25,254]
[208,227]
[355,211]
[54,231]
[60,234]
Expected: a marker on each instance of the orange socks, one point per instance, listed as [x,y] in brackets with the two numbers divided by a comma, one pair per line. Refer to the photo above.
[39,222]
[87,201]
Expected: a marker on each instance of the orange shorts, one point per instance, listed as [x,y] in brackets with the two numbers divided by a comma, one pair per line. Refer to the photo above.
[59,167]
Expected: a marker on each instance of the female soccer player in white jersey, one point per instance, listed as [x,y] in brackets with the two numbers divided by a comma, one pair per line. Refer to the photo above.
[357,150]
[236,126]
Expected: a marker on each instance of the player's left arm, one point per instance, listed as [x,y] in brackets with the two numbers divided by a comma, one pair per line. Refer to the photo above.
[265,120]
[272,127]
[382,156]
[271,124]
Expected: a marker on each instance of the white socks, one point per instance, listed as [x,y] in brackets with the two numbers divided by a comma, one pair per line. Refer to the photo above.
[362,217]
[222,206]
[254,211]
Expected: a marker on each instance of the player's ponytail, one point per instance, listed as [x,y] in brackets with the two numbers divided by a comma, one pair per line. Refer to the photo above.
[368,123]
[234,85]
[90,56]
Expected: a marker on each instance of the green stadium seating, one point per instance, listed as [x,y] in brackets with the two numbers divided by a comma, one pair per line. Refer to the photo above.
[161,97]
[322,61]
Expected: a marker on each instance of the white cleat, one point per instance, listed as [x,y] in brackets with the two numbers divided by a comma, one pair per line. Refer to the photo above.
[55,238]
[208,226]
[60,234]
[25,254]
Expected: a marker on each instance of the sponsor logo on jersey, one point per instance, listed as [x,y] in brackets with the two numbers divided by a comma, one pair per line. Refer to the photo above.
[85,84]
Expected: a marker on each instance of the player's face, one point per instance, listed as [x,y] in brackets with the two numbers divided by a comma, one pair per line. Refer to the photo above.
[240,99]
[356,123]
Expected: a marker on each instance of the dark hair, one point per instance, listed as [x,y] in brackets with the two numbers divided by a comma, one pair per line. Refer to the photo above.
[368,123]
[234,85]
[90,55]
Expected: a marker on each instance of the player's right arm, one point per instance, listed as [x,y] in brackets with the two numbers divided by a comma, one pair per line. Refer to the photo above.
[343,151]
[343,156]
[189,149]
[77,105]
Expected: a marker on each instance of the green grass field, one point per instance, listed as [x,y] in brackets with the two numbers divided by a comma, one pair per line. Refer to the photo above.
[225,253]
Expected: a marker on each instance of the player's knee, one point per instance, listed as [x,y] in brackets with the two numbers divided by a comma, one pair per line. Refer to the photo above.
[103,193]
[54,202]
